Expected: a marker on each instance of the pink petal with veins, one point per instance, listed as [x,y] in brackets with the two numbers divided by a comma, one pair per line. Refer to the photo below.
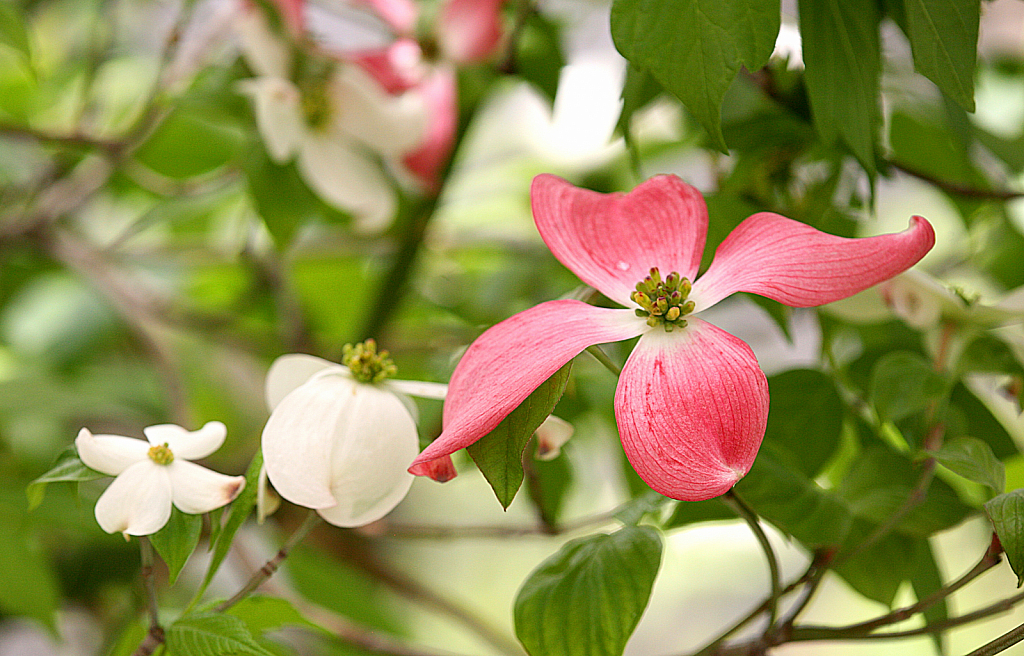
[692,406]
[611,241]
[470,31]
[439,94]
[795,264]
[511,359]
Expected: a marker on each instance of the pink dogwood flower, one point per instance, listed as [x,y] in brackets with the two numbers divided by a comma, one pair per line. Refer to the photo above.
[691,402]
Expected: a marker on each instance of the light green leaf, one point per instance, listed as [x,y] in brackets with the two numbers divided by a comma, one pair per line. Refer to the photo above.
[192,140]
[499,454]
[973,459]
[261,614]
[12,30]
[694,48]
[878,571]
[176,541]
[926,580]
[944,39]
[68,469]
[903,383]
[1007,514]
[210,634]
[586,599]
[841,55]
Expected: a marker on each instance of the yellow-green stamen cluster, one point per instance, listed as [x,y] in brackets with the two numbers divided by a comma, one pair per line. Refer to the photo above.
[367,365]
[663,302]
[313,78]
[161,454]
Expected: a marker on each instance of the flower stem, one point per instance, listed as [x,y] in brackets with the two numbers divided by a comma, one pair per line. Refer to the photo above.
[603,358]
[748,514]
[271,566]
[155,636]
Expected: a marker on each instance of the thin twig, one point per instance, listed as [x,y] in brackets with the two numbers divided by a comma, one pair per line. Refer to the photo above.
[413,531]
[272,565]
[155,635]
[753,521]
[1000,644]
[603,358]
[956,187]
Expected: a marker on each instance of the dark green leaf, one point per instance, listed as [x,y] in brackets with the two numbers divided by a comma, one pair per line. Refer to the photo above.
[944,39]
[282,199]
[795,503]
[68,469]
[880,483]
[805,419]
[903,383]
[879,570]
[989,354]
[973,459]
[12,30]
[927,580]
[1007,514]
[981,424]
[638,91]
[499,454]
[176,541]
[694,512]
[548,481]
[931,147]
[28,586]
[632,511]
[841,55]
[211,634]
[694,48]
[587,598]
[538,56]
[241,507]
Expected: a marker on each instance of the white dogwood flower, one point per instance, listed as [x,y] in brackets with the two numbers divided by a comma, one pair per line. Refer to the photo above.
[340,437]
[333,119]
[154,473]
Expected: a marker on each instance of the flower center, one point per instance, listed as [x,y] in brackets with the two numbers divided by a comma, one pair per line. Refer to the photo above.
[663,302]
[312,76]
[161,455]
[367,365]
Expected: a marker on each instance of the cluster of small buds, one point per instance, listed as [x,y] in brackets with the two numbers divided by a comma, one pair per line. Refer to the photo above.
[663,302]
[366,364]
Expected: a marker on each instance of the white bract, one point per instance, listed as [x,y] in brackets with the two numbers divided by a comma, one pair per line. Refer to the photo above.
[152,474]
[333,119]
[338,445]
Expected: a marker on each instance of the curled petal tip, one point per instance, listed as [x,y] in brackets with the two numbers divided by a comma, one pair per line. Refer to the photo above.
[440,469]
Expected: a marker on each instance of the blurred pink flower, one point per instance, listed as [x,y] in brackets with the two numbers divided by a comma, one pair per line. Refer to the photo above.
[692,402]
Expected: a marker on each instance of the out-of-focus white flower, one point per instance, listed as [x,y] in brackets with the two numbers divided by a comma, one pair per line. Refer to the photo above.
[154,473]
[339,438]
[551,435]
[333,119]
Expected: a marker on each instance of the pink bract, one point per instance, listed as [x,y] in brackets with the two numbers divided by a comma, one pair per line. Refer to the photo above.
[691,404]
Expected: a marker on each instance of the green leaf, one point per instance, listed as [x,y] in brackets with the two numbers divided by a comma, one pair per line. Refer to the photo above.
[973,459]
[241,507]
[926,580]
[878,571]
[538,56]
[499,454]
[904,383]
[281,197]
[194,139]
[944,39]
[694,48]
[586,599]
[28,586]
[261,614]
[1007,514]
[795,503]
[881,481]
[548,482]
[212,634]
[694,512]
[841,55]
[68,469]
[805,420]
[176,541]
[12,30]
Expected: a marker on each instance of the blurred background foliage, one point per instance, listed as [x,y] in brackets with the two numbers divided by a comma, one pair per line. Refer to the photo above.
[154,259]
